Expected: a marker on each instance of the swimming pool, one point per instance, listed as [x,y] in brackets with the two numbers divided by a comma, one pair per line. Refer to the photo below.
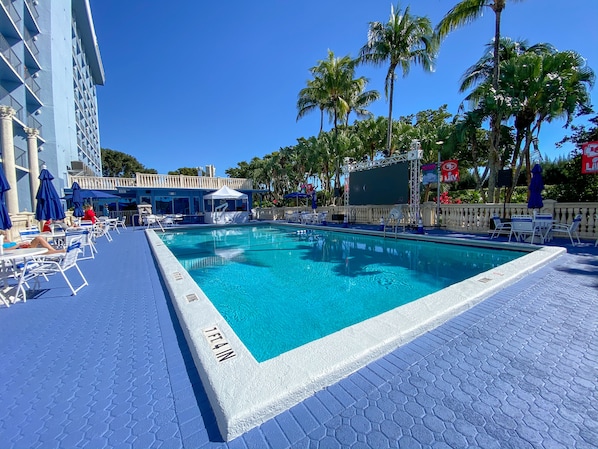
[281,288]
[244,393]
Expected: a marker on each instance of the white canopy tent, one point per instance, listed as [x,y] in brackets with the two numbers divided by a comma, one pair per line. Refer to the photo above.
[220,214]
[225,193]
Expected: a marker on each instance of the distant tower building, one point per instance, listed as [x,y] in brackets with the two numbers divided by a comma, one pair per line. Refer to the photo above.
[210,171]
[50,66]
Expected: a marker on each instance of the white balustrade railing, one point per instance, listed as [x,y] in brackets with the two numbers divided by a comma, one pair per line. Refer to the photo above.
[475,218]
[150,180]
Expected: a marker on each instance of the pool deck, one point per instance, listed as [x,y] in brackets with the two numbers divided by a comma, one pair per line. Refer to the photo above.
[110,368]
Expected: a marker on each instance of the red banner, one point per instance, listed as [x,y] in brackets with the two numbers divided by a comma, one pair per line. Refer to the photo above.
[449,170]
[589,158]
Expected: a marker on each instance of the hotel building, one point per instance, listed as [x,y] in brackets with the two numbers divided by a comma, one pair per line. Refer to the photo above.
[50,66]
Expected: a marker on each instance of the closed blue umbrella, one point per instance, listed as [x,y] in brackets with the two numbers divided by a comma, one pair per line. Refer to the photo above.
[314,201]
[5,222]
[77,200]
[536,186]
[49,206]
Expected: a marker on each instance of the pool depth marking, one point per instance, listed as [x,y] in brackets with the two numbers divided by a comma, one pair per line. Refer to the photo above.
[220,346]
[244,393]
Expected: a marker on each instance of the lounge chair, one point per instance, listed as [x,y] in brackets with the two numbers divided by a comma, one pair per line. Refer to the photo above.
[47,265]
[569,229]
[500,227]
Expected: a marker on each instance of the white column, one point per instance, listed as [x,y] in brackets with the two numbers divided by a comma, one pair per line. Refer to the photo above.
[32,134]
[8,157]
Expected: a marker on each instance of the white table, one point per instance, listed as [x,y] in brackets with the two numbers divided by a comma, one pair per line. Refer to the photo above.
[12,255]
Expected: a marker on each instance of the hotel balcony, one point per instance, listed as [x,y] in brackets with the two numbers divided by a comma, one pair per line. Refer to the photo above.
[149,181]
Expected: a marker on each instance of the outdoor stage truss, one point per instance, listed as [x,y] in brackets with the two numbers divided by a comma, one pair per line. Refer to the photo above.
[414,157]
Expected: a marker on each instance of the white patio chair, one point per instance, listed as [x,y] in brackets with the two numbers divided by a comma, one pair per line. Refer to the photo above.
[500,227]
[153,220]
[168,221]
[293,217]
[29,234]
[543,226]
[569,229]
[322,216]
[47,265]
[121,222]
[522,226]
[86,242]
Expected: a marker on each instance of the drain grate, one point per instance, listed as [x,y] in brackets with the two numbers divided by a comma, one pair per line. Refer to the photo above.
[485,280]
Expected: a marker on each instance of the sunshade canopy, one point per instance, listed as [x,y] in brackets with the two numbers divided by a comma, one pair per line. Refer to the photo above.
[225,193]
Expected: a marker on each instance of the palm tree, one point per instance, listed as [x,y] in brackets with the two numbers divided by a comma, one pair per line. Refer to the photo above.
[332,88]
[466,12]
[482,71]
[543,88]
[358,99]
[403,40]
[312,97]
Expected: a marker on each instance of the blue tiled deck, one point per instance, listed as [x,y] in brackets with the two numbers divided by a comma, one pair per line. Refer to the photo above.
[110,368]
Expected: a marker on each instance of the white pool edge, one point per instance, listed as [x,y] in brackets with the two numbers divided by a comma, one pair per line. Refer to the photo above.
[244,393]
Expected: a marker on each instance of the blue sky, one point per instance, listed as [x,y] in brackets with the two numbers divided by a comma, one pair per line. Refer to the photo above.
[197,82]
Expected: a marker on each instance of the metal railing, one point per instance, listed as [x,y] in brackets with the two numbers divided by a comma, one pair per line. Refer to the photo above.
[9,54]
[12,11]
[7,100]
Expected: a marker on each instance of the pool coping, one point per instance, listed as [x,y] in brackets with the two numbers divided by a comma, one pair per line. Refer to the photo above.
[244,393]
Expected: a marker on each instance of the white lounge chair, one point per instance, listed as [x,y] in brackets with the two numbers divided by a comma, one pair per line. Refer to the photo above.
[48,265]
[569,229]
[500,227]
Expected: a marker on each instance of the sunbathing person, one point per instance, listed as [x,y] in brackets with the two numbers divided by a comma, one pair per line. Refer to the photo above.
[37,242]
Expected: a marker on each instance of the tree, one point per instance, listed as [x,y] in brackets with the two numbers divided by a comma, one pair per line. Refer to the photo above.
[401,42]
[116,164]
[335,90]
[463,13]
[187,171]
[372,134]
[312,97]
[579,187]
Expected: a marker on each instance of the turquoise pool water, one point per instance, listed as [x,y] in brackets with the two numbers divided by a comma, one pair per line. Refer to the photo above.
[280,288]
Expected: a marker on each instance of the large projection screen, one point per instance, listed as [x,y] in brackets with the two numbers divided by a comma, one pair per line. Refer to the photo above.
[383,185]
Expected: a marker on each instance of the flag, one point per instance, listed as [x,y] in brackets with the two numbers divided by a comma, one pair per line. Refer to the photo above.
[449,171]
[429,174]
[589,158]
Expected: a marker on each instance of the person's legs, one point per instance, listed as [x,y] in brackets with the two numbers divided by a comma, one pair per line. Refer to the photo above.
[39,242]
